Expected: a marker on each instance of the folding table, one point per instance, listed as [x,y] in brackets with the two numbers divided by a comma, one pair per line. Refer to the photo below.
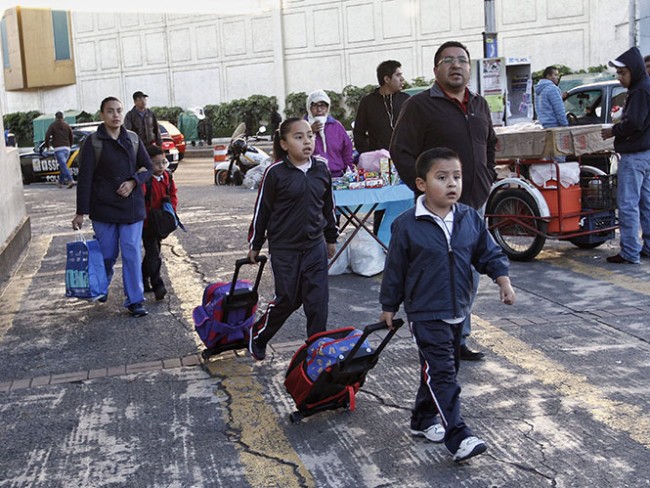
[351,203]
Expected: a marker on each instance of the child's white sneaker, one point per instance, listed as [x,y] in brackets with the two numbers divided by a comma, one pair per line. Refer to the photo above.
[434,433]
[468,448]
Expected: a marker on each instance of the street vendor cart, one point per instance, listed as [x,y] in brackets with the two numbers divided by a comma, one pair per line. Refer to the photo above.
[539,195]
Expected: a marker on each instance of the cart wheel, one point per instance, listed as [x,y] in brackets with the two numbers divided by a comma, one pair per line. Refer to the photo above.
[221,177]
[515,225]
[295,417]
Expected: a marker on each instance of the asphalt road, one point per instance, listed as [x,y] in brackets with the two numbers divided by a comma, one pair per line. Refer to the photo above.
[90,396]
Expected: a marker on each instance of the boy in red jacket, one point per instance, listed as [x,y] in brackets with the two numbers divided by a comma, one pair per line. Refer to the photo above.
[161,186]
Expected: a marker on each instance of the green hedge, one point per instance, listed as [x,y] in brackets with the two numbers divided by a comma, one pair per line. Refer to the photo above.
[20,124]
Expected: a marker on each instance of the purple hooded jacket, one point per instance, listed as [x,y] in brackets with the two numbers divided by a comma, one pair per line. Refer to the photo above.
[339,147]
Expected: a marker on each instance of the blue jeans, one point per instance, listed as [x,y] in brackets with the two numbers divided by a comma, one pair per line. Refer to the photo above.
[127,238]
[633,197]
[61,155]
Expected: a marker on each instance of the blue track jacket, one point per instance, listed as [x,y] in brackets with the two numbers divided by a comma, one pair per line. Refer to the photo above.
[432,279]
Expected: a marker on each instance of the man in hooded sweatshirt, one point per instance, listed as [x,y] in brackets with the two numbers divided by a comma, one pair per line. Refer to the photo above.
[331,139]
[548,100]
[632,141]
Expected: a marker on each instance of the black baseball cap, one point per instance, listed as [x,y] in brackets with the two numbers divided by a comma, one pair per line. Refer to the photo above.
[139,94]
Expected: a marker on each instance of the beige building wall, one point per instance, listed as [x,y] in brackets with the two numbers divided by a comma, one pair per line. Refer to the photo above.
[286,46]
[30,40]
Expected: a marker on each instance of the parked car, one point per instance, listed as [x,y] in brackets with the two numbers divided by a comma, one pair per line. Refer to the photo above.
[40,165]
[168,146]
[176,135]
[595,103]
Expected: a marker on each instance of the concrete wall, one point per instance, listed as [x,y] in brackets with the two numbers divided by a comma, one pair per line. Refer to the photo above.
[286,46]
[15,230]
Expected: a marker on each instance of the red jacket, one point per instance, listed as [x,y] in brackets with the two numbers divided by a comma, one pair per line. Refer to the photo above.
[159,191]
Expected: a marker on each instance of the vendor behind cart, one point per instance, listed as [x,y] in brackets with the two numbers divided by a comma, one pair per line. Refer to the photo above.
[548,100]
[632,141]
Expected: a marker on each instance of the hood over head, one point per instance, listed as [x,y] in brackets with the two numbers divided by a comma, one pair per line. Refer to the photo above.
[632,60]
[317,96]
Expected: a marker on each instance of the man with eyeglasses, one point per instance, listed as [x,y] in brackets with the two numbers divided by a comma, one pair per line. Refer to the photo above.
[450,115]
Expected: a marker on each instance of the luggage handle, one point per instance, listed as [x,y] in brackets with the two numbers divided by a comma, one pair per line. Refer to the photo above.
[261,259]
[369,329]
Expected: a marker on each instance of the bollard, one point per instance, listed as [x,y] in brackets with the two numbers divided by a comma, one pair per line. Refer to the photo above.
[220,153]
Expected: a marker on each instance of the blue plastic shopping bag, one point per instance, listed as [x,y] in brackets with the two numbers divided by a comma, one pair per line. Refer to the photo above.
[85,274]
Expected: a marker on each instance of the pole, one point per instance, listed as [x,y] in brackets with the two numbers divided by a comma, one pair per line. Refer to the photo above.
[632,22]
[490,44]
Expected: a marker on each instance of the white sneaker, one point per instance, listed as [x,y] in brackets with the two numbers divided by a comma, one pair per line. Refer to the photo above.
[434,433]
[468,448]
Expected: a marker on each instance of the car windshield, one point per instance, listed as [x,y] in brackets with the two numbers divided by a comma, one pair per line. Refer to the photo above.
[586,106]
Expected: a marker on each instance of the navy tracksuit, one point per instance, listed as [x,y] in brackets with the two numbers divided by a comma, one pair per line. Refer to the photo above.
[434,280]
[295,209]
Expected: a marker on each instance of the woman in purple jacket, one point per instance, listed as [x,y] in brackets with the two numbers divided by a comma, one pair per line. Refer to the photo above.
[332,140]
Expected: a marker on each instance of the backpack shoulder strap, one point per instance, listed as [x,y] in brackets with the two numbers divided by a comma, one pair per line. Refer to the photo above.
[97,147]
[135,140]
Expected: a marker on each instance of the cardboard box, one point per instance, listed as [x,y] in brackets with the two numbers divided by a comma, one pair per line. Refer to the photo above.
[520,144]
[549,143]
[578,140]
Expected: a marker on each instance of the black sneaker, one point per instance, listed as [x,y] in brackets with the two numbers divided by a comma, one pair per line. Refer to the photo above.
[137,310]
[160,293]
[103,298]
[258,350]
[466,354]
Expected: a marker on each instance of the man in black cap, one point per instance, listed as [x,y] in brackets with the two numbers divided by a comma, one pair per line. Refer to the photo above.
[142,121]
[632,142]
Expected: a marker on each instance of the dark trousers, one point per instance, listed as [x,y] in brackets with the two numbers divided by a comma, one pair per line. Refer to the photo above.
[152,261]
[439,392]
[300,279]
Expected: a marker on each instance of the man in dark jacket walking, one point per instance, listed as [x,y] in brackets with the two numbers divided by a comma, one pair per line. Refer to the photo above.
[450,115]
[59,136]
[632,141]
[143,121]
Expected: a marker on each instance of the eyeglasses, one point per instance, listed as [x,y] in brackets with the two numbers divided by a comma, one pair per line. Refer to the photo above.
[449,60]
[320,105]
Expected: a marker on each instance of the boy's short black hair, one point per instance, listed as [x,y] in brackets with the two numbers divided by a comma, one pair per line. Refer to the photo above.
[154,151]
[427,159]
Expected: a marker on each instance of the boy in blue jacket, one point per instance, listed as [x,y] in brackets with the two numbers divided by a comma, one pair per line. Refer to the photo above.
[429,268]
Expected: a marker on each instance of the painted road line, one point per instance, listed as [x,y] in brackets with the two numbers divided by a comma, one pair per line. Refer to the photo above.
[614,414]
[266,454]
[11,297]
[634,283]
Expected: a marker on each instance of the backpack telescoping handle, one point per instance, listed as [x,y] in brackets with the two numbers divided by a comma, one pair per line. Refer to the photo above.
[261,259]
[369,329]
